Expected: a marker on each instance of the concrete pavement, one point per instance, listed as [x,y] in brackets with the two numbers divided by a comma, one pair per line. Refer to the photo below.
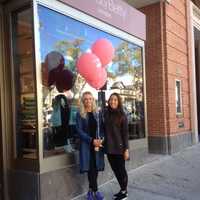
[175,177]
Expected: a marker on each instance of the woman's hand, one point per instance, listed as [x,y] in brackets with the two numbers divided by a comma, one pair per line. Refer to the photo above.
[126,154]
[97,143]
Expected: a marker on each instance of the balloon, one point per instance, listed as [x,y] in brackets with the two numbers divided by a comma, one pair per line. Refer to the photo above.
[53,74]
[53,60]
[104,50]
[51,77]
[99,78]
[87,64]
[64,80]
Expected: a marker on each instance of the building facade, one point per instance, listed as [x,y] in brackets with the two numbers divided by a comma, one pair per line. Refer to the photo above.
[169,55]
[155,69]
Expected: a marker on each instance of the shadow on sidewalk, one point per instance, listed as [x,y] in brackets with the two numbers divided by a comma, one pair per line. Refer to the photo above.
[111,187]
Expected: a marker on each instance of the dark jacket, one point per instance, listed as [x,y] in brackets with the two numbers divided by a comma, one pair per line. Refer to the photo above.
[116,133]
[86,142]
[60,120]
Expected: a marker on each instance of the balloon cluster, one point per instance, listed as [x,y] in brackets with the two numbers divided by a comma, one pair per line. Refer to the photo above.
[92,65]
[62,78]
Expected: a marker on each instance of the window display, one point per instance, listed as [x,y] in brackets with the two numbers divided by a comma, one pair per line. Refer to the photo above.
[24,76]
[73,61]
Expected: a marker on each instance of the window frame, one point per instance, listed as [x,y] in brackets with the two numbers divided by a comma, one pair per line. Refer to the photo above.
[176,97]
[61,161]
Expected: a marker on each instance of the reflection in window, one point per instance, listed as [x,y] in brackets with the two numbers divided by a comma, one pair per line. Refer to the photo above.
[24,76]
[178,97]
[60,46]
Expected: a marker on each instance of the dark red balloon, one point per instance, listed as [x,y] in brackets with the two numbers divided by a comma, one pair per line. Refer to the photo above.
[54,73]
[53,59]
[52,77]
[64,80]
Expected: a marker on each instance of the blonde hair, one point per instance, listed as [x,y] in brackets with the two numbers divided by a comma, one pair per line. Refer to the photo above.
[83,112]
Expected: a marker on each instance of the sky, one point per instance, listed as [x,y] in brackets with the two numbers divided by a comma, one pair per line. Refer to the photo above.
[55,27]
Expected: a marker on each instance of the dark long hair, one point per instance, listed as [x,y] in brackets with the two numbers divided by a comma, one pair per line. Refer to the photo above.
[116,114]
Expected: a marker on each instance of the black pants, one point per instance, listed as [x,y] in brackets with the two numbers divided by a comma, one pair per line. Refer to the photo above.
[117,164]
[93,173]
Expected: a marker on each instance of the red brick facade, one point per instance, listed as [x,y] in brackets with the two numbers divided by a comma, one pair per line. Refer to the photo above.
[156,109]
[177,63]
[167,60]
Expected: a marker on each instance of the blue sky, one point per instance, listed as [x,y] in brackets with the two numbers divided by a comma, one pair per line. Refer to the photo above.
[56,27]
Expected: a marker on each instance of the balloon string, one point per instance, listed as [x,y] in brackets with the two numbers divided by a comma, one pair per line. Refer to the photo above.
[98,124]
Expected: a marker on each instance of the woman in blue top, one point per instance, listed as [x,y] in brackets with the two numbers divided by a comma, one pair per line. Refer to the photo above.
[89,128]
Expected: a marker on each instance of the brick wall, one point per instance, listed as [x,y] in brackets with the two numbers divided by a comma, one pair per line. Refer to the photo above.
[167,59]
[177,64]
[156,113]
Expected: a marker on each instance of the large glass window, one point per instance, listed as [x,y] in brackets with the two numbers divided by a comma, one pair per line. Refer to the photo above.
[24,85]
[62,41]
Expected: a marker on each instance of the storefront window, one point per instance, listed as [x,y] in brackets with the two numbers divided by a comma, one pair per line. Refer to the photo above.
[24,85]
[62,41]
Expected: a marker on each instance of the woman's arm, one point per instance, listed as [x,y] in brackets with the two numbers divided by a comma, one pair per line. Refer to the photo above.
[83,135]
[124,132]
[125,137]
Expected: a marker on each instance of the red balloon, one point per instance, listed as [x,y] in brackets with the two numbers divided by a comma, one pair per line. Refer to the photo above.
[64,80]
[99,78]
[104,50]
[87,64]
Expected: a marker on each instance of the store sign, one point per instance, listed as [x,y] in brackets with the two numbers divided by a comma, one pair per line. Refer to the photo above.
[114,12]
[111,7]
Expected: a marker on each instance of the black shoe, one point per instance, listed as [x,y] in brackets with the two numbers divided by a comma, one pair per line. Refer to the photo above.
[121,195]
[117,194]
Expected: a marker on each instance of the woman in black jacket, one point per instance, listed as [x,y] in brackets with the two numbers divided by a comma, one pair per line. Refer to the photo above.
[116,142]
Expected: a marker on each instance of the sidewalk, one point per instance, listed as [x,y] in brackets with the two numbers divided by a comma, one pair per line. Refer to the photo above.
[175,177]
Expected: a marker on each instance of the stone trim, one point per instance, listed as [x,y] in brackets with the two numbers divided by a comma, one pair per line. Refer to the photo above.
[24,185]
[169,144]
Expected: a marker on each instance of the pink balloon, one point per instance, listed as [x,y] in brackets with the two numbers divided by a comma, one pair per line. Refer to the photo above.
[104,50]
[87,64]
[99,79]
